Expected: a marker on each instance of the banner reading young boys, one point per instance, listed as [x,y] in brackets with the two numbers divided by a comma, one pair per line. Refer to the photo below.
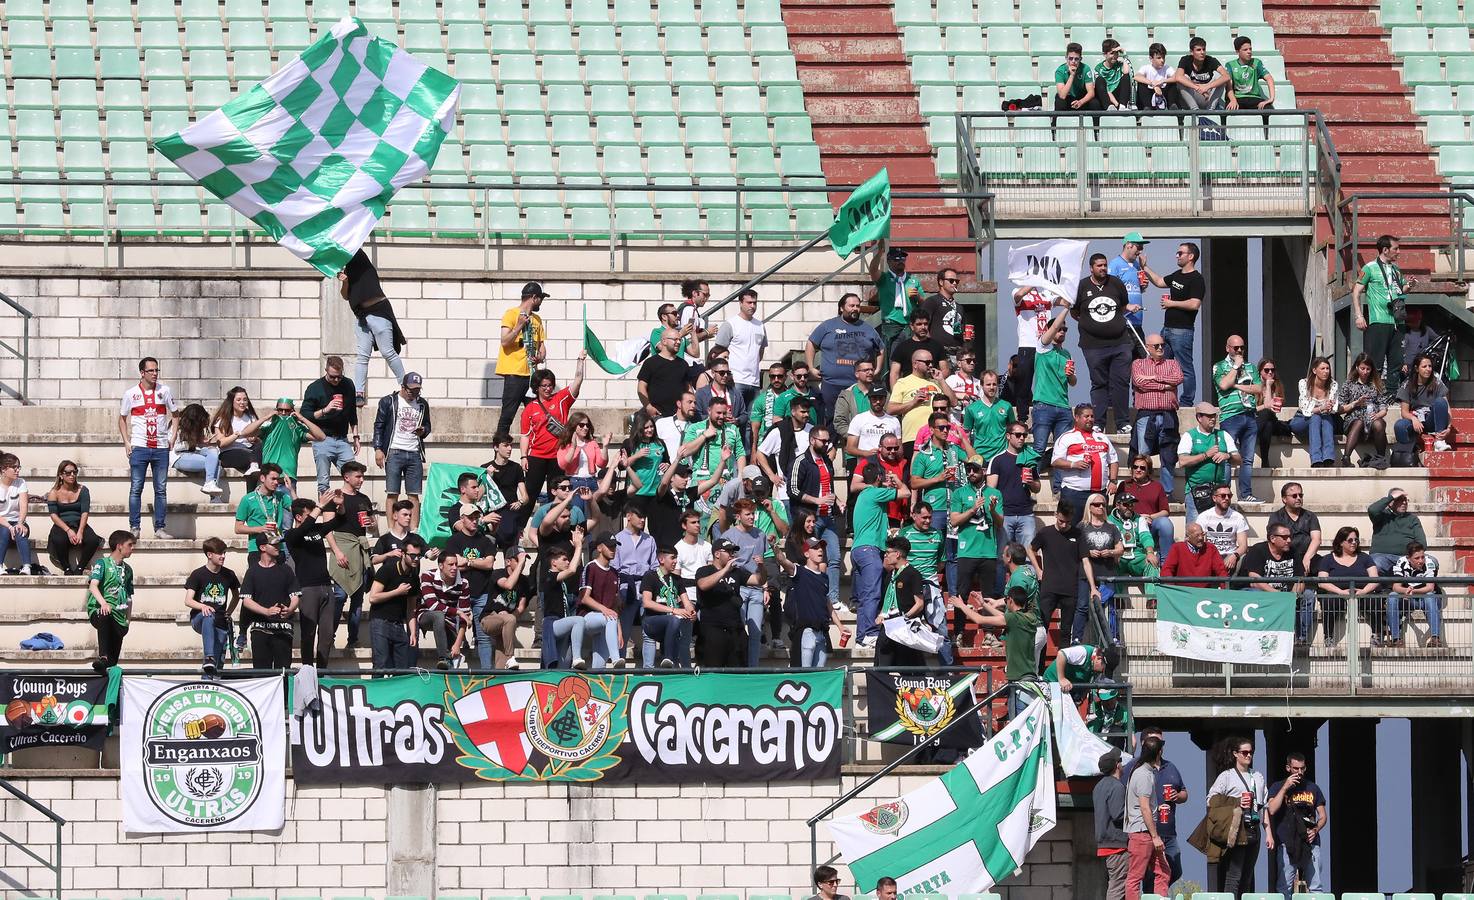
[562,726]
[47,710]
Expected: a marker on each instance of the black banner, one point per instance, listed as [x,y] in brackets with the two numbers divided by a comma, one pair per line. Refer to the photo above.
[47,710]
[914,708]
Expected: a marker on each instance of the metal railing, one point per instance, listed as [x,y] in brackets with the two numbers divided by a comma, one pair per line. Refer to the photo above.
[54,865]
[1451,206]
[22,352]
[1135,163]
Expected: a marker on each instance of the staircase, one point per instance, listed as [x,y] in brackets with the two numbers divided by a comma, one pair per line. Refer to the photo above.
[865,114]
[1343,65]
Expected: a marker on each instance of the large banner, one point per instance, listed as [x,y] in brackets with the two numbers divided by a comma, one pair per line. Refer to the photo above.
[1253,627]
[562,726]
[47,710]
[1051,266]
[203,756]
[916,708]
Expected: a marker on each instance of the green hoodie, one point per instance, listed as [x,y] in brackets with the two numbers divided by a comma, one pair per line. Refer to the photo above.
[1392,532]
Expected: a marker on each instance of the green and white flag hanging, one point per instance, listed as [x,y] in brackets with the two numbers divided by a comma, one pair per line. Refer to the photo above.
[1254,627]
[966,831]
[314,153]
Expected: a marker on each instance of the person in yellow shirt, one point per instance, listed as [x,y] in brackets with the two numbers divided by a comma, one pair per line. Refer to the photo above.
[521,350]
[911,397]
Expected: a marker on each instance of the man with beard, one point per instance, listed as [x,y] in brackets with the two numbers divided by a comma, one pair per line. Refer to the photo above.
[845,341]
[715,450]
[1106,340]
[520,350]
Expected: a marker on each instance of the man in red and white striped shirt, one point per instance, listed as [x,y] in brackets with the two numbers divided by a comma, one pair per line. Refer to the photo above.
[146,420]
[445,608]
[1086,459]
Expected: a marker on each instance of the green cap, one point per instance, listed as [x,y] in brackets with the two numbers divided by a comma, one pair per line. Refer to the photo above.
[1134,237]
[286,401]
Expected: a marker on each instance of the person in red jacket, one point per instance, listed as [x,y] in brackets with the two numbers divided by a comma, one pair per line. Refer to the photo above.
[1194,557]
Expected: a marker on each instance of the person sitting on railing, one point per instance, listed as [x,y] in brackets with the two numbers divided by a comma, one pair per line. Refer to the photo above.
[1200,78]
[1346,561]
[1418,569]
[1424,399]
[1275,561]
[1195,557]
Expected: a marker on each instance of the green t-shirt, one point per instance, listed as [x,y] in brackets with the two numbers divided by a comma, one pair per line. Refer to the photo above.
[1025,577]
[987,425]
[648,467]
[1111,74]
[1082,78]
[926,549]
[1051,385]
[765,409]
[708,459]
[281,440]
[257,509]
[977,538]
[1381,281]
[871,525]
[1136,535]
[115,582]
[1207,471]
[1078,673]
[885,296]
[1245,78]
[765,524]
[929,462]
[1019,630]
[1233,401]
[783,403]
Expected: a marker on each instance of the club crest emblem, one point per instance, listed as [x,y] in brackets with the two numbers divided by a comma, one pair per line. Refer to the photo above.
[887,818]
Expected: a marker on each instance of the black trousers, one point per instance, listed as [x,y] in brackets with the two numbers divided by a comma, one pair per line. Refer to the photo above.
[721,646]
[514,392]
[317,613]
[1065,603]
[539,471]
[240,459]
[1110,382]
[1023,382]
[109,637]
[271,649]
[62,552]
[976,574]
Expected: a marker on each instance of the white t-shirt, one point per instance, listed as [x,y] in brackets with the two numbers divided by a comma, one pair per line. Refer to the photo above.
[746,340]
[407,418]
[239,424]
[1032,311]
[688,314]
[689,558]
[869,428]
[1154,77]
[669,430]
[967,390]
[10,501]
[773,442]
[1185,445]
[148,414]
[1223,530]
[1094,447]
[1231,783]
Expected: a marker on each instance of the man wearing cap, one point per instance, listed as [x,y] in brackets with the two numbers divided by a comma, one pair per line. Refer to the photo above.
[1134,273]
[936,472]
[283,433]
[1109,801]
[1205,453]
[1140,559]
[1101,307]
[976,511]
[520,351]
[897,292]
[865,429]
[745,338]
[476,554]
[600,602]
[719,634]
[401,425]
[845,342]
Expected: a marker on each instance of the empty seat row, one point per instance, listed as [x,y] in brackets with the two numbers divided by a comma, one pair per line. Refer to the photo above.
[1441,40]
[1050,40]
[1428,12]
[1074,12]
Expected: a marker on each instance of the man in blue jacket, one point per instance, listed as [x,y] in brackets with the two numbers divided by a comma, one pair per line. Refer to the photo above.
[400,427]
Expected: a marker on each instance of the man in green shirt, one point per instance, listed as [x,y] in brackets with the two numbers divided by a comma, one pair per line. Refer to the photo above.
[1074,84]
[1237,386]
[897,292]
[987,419]
[1077,665]
[1382,284]
[1205,453]
[715,450]
[110,598]
[765,406]
[977,516]
[1020,625]
[1112,81]
[870,530]
[1244,74]
[282,436]
[263,514]
[1021,573]
[926,542]
[669,316]
[1054,375]
[1140,559]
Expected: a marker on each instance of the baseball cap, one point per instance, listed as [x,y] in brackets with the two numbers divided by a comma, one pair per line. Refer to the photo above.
[469,509]
[751,472]
[1205,409]
[724,544]
[880,392]
[896,253]
[1123,497]
[286,401]
[975,462]
[813,542]
[412,379]
[533,289]
[607,540]
[1134,237]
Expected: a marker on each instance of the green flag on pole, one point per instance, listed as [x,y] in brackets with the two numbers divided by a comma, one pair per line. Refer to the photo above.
[626,356]
[865,216]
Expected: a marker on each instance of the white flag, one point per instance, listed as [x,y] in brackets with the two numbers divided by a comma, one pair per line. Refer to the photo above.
[1051,266]
[1079,749]
[967,830]
[203,756]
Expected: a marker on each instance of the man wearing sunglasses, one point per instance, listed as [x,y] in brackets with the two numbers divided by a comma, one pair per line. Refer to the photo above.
[1226,527]
[826,884]
[1238,388]
[943,316]
[812,490]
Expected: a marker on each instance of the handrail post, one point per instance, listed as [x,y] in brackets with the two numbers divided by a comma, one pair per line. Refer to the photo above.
[737,233]
[1353,645]
[25,361]
[1305,168]
[1194,170]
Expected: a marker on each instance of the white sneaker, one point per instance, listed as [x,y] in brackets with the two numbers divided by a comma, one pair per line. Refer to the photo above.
[252,469]
[512,663]
[162,535]
[618,662]
[25,570]
[1441,446]
[868,642]
[778,644]
[580,664]
[667,664]
[211,488]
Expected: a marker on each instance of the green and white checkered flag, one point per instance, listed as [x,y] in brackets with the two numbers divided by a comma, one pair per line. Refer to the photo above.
[314,153]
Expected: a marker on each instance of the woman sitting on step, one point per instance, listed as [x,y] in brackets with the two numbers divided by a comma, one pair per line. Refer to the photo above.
[72,543]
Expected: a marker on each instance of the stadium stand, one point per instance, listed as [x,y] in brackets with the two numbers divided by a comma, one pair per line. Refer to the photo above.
[1432,42]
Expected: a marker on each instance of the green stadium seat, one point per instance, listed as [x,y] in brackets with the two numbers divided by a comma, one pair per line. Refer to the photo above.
[750,131]
[571,129]
[913,12]
[667,162]
[516,67]
[1451,40]
[739,99]
[661,131]
[596,39]
[81,124]
[1361,896]
[552,39]
[521,98]
[503,11]
[508,38]
[1414,897]
[1423,68]
[1432,98]
[248,35]
[790,130]
[801,161]
[290,37]
[704,131]
[925,39]
[756,162]
[785,100]
[686,69]
[1049,40]
[474,70]
[1037,12]
[561,68]
[711,162]
[167,95]
[207,63]
[734,69]
[128,157]
[125,125]
[551,12]
[622,165]
[489,162]
[1443,12]
[642,70]
[526,129]
[697,99]
[645,39]
[1409,40]
[615,130]
[606,99]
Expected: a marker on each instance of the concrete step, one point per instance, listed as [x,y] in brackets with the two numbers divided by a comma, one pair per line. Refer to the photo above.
[1316,77]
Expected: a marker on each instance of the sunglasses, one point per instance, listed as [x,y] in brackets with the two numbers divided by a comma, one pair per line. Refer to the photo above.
[1138,468]
[1097,504]
[952,280]
[1156,346]
[1223,496]
[1293,496]
[1018,434]
[1267,369]
[1233,347]
[68,471]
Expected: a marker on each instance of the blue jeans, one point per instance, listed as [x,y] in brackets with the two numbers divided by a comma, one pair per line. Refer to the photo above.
[1319,431]
[205,459]
[22,545]
[483,640]
[1287,871]
[554,631]
[1431,604]
[1162,534]
[1244,429]
[374,331]
[1018,530]
[752,614]
[1049,423]
[1156,434]
[1305,616]
[389,643]
[327,452]
[138,461]
[404,469]
[216,636]
[811,649]
[868,573]
[668,635]
[949,550]
[826,530]
[1436,419]
[582,481]
[1082,610]
[1180,347]
[355,611]
[605,632]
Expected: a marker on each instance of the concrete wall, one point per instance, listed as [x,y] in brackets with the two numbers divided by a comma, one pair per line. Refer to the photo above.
[496,839]
[269,331]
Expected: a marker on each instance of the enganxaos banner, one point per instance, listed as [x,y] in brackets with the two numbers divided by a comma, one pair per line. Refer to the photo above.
[49,710]
[563,726]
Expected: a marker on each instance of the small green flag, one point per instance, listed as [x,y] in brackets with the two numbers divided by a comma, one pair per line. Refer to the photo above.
[865,216]
[598,354]
[443,497]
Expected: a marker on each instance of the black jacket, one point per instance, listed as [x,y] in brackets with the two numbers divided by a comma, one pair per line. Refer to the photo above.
[384,421]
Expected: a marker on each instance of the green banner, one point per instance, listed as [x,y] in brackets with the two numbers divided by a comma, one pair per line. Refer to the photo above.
[565,726]
[442,497]
[1255,627]
[865,216]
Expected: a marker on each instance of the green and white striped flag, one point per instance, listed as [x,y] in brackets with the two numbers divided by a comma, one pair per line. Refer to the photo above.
[314,153]
[1255,627]
[966,831]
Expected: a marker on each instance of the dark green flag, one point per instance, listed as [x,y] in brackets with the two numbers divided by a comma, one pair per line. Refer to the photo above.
[865,216]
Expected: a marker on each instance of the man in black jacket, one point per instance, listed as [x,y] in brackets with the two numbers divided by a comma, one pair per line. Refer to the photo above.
[812,490]
[401,424]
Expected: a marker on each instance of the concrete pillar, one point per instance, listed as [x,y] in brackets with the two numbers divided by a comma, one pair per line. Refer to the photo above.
[336,323]
[412,825]
[1088,877]
[1437,821]
[1352,804]
[1281,738]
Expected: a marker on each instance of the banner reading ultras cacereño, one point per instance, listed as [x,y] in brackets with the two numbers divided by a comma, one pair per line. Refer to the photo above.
[562,726]
[48,710]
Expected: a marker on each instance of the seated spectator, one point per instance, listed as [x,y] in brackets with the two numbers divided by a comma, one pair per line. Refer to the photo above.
[601,602]
[15,497]
[194,447]
[1154,81]
[1393,528]
[1085,459]
[1316,420]
[1195,557]
[1304,525]
[1424,399]
[1347,561]
[1274,560]
[69,504]
[212,592]
[401,424]
[1200,78]
[1151,500]
[1267,424]
[1244,73]
[669,616]
[507,603]
[1112,77]
[1363,404]
[1418,340]
[1074,83]
[1206,452]
[110,599]
[1155,380]
[1140,559]
[1416,590]
[235,426]
[1226,527]
[282,435]
[445,609]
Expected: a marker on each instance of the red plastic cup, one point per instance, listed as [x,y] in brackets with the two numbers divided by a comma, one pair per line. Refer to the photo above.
[1163,812]
[1427,443]
[844,639]
[1246,799]
[1168,792]
[1069,367]
[1166,297]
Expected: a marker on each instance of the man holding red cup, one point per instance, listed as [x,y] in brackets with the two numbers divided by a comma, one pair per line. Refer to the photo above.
[1170,792]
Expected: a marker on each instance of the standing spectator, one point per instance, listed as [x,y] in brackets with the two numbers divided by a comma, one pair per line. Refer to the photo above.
[1112,76]
[1274,560]
[911,396]
[1169,793]
[15,500]
[869,427]
[669,316]
[401,424]
[715,449]
[235,426]
[1393,528]
[1416,590]
[504,608]
[262,513]
[1195,557]
[1304,525]
[1363,405]
[1267,422]
[544,422]
[766,404]
[672,429]
[1244,74]
[1074,86]
[1146,848]
[1315,420]
[1015,475]
[1239,780]
[1156,379]
[1384,287]
[1200,78]
[921,339]
[1020,626]
[752,544]
[719,387]
[635,554]
[1205,453]
[668,615]
[802,387]
[1108,798]
[511,482]
[1086,458]
[1297,813]
[476,554]
[845,342]
[146,422]
[1186,289]
[69,504]
[855,399]
[1418,337]
[282,435]
[1065,563]
[988,419]
[1226,527]
[1424,399]
[813,490]
[927,545]
[964,382]
[1054,375]
[211,592]
[1104,547]
[1031,310]
[391,542]
[373,322]
[692,552]
[662,377]
[349,542]
[719,631]
[897,291]
[581,456]
[392,601]
[1151,501]
[520,351]
[1106,339]
[444,610]
[871,527]
[1238,388]
[645,456]
[1131,268]
[976,513]
[694,294]
[269,598]
[110,599]
[943,315]
[936,475]
[903,594]
[889,459]
[194,447]
[746,339]
[1154,81]
[306,541]
[328,402]
[1347,561]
